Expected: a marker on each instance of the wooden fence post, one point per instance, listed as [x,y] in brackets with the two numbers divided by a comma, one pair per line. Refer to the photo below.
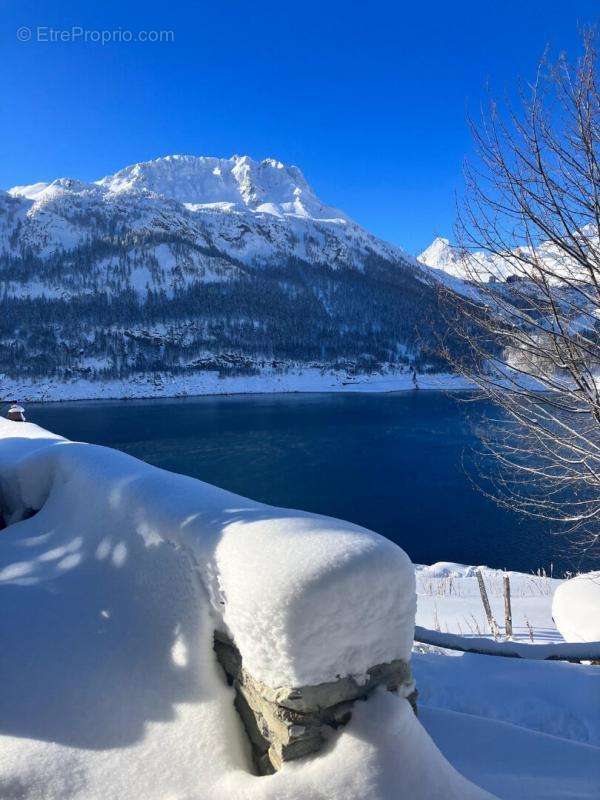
[486,605]
[507,608]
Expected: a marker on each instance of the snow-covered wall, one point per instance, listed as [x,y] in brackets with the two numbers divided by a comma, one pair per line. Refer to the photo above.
[306,598]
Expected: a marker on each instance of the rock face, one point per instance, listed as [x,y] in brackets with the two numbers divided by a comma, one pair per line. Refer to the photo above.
[288,722]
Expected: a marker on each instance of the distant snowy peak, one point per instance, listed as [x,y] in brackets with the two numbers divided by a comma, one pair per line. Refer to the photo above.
[266,186]
[481,265]
[442,255]
[454,261]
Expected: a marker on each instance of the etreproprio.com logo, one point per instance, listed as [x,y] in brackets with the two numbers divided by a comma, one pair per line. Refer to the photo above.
[78,34]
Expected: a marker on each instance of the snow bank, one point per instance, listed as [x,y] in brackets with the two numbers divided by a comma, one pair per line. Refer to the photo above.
[576,608]
[110,595]
[551,697]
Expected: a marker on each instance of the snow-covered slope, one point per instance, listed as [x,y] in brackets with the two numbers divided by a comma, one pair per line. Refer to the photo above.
[444,256]
[441,255]
[524,729]
[190,264]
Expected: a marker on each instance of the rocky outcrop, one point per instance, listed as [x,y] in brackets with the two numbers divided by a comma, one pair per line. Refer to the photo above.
[290,722]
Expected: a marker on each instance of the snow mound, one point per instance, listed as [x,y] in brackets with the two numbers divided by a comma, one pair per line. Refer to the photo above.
[447,569]
[576,608]
[112,584]
[305,598]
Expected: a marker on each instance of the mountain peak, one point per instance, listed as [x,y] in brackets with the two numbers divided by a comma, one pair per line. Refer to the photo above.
[264,186]
[439,253]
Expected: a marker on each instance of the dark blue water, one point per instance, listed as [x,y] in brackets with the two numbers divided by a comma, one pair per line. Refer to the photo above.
[391,462]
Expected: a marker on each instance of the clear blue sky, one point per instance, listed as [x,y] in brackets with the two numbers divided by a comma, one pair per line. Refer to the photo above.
[367,98]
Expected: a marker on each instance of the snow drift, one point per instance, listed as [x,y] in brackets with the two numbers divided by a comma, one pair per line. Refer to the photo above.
[114,575]
[576,608]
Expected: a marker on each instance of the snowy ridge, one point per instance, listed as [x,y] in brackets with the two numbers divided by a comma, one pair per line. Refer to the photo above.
[444,256]
[188,194]
[441,255]
[239,182]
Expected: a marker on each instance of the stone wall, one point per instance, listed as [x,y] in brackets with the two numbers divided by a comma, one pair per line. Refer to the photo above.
[289,722]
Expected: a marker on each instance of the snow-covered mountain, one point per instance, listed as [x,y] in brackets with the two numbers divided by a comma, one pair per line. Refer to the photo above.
[178,263]
[250,209]
[238,183]
[442,255]
[448,258]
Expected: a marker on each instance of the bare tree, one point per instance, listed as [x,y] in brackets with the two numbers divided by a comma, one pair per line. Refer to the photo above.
[529,245]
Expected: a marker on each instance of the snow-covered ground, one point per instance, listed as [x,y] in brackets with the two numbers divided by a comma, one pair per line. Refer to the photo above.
[110,596]
[520,728]
[209,383]
[449,601]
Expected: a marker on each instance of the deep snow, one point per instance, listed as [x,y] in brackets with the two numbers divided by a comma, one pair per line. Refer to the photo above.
[523,729]
[306,598]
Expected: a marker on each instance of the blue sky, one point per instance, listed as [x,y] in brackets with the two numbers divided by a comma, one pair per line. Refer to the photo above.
[369,99]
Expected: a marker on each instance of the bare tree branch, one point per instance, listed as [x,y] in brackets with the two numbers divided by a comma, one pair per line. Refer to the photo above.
[529,244]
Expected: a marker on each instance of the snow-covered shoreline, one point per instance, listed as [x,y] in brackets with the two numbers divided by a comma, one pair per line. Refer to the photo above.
[209,383]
